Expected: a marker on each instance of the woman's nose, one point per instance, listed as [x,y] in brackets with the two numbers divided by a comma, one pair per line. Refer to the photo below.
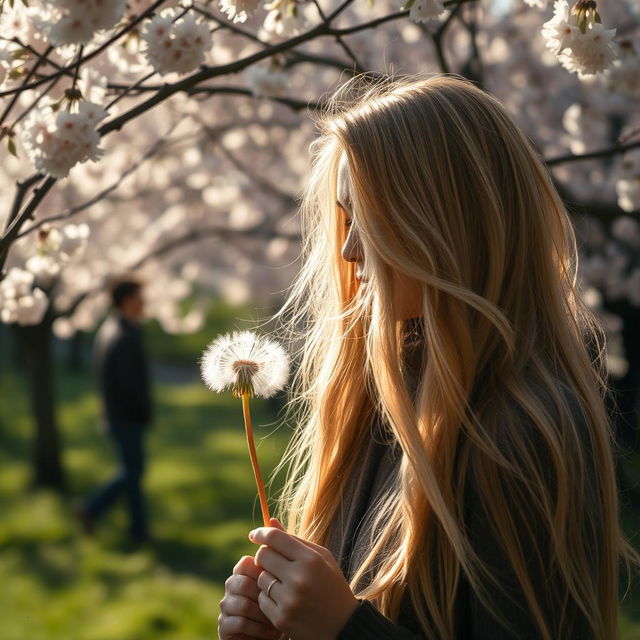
[351,249]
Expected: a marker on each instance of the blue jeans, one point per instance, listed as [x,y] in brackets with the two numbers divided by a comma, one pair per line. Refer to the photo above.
[129,445]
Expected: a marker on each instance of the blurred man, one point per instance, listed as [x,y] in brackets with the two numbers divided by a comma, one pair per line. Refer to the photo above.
[123,376]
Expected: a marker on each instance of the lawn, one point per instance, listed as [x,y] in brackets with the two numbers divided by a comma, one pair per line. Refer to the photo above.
[57,585]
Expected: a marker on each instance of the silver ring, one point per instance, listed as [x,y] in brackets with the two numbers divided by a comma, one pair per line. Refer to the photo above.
[269,587]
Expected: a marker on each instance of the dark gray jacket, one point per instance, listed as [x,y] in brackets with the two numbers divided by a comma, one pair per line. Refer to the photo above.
[350,536]
[123,373]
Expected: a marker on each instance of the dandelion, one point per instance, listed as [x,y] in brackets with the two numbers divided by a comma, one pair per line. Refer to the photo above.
[249,365]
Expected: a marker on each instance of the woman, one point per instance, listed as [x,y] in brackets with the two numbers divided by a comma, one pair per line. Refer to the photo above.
[453,475]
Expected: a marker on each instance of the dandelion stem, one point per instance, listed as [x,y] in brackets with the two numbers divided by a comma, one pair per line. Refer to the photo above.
[246,412]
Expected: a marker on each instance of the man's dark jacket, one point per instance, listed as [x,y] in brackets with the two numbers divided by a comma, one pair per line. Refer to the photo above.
[123,373]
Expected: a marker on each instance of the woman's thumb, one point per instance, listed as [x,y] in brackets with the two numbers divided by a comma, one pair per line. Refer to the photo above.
[276,523]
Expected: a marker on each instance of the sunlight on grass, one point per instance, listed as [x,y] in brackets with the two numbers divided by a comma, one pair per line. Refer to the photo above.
[202,503]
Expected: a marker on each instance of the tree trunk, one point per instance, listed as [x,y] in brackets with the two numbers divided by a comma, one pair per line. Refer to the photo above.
[46,452]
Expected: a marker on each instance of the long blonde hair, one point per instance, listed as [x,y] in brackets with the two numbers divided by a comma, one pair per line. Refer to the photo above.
[447,190]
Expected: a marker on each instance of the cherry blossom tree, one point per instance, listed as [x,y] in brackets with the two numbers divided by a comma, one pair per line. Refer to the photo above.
[170,138]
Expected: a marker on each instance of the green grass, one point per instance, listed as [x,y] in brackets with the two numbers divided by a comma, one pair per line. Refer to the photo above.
[57,585]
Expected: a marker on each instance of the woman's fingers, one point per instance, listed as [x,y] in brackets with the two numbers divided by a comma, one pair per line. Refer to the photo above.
[243,586]
[246,566]
[234,605]
[272,561]
[286,545]
[239,627]
[269,584]
[240,616]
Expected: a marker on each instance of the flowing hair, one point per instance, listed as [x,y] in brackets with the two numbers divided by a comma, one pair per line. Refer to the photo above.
[447,190]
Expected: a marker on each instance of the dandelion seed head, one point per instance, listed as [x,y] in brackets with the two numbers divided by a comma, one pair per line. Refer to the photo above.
[246,363]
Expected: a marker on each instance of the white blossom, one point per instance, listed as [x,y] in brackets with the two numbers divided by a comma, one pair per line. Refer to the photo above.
[17,283]
[239,10]
[425,10]
[93,85]
[560,31]
[540,4]
[590,52]
[584,48]
[31,308]
[267,81]
[56,142]
[19,301]
[285,18]
[246,362]
[74,240]
[628,191]
[76,21]
[44,268]
[5,62]
[178,46]
[49,239]
[16,20]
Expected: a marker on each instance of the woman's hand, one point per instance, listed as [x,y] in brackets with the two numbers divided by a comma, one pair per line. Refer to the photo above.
[240,616]
[302,590]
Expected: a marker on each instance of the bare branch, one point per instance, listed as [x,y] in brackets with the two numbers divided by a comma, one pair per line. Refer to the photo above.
[292,103]
[32,71]
[14,227]
[21,192]
[591,155]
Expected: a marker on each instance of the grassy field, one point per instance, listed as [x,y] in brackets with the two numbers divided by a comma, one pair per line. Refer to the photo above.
[57,585]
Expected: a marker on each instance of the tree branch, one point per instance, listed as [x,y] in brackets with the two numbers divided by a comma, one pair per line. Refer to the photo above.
[292,103]
[591,155]
[14,227]
[22,88]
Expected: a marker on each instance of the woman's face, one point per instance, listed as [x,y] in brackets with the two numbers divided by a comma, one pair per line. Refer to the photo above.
[407,295]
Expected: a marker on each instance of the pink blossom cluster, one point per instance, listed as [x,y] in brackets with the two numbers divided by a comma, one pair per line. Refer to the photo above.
[176,44]
[20,301]
[76,21]
[55,142]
